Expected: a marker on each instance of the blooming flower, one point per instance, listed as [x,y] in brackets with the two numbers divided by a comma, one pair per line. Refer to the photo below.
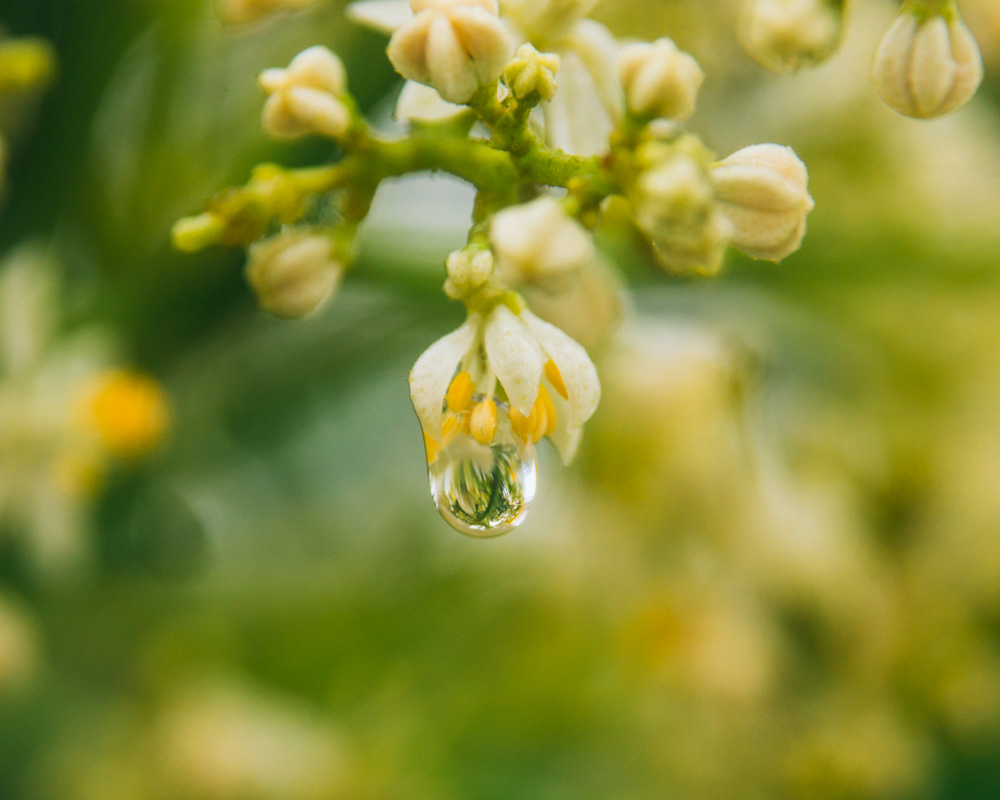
[588,100]
[548,386]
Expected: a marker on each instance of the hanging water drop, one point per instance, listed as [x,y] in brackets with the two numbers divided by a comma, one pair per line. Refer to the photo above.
[484,490]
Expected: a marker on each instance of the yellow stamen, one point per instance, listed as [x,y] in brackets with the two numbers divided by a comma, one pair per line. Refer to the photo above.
[450,427]
[550,410]
[483,422]
[432,448]
[460,392]
[538,413]
[520,424]
[130,413]
[556,379]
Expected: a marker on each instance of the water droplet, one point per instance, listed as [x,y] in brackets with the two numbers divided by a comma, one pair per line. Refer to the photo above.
[484,490]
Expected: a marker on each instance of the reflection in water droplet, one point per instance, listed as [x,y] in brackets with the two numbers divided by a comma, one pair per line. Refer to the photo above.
[484,491]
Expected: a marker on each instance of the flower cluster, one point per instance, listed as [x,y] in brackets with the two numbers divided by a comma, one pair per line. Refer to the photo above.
[927,65]
[576,123]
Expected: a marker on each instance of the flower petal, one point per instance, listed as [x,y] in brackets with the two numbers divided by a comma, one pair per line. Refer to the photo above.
[431,375]
[420,103]
[382,15]
[514,357]
[578,371]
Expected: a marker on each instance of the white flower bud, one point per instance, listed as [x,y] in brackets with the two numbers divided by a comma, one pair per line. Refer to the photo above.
[468,270]
[674,204]
[763,193]
[786,35]
[538,241]
[456,46]
[532,73]
[929,68]
[293,273]
[303,97]
[659,80]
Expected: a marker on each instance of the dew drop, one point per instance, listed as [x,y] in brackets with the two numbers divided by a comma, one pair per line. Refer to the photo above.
[484,491]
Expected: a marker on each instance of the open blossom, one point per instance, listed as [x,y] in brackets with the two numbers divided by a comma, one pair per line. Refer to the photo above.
[786,35]
[587,101]
[293,273]
[659,80]
[538,241]
[456,46]
[304,97]
[763,191]
[549,384]
[927,68]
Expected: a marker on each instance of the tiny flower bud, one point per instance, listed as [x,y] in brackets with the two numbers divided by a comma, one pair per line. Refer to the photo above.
[764,195]
[532,74]
[674,204]
[786,35]
[927,68]
[659,80]
[456,46]
[303,98]
[192,234]
[468,270]
[293,273]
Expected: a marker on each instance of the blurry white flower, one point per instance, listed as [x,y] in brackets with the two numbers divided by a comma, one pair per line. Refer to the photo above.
[786,35]
[303,98]
[764,194]
[659,80]
[293,273]
[927,68]
[550,386]
[240,11]
[537,241]
[456,46]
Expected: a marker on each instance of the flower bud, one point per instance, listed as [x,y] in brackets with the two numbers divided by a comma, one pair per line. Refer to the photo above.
[764,196]
[293,273]
[538,241]
[303,97]
[456,46]
[468,270]
[659,80]
[674,204]
[786,35]
[532,74]
[927,68]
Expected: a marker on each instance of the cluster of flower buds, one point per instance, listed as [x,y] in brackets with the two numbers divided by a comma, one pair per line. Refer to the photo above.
[928,64]
[486,394]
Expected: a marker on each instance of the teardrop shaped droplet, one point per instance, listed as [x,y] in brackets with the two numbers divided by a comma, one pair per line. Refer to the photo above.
[484,490]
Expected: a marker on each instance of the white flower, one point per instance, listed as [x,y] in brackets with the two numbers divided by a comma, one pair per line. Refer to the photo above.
[587,103]
[659,80]
[927,69]
[303,98]
[293,273]
[538,241]
[456,46]
[550,386]
[786,35]
[764,194]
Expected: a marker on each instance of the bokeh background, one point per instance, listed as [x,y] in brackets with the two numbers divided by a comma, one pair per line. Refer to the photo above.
[773,572]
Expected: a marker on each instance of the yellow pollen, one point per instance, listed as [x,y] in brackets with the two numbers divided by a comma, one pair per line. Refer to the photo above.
[460,392]
[129,412]
[556,379]
[483,422]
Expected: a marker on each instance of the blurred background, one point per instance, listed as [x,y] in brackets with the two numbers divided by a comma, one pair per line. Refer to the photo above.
[773,571]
